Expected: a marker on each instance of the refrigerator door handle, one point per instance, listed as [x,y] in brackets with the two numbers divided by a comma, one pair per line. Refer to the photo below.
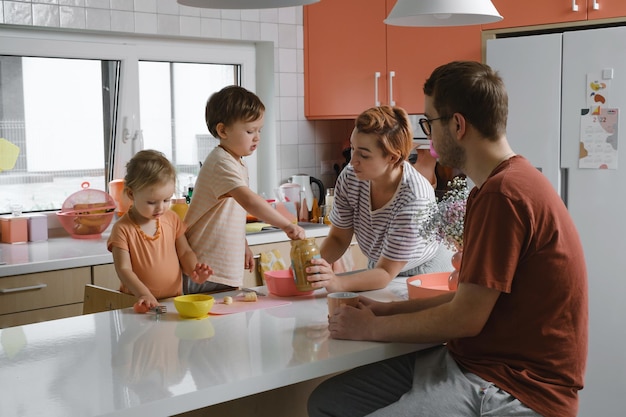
[564,184]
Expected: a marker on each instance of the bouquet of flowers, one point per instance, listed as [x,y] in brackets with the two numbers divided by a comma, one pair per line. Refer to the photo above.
[443,221]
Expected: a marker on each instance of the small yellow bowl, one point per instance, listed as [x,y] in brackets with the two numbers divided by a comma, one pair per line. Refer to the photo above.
[193,305]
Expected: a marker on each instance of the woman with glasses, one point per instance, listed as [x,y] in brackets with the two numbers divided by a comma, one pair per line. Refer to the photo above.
[380,198]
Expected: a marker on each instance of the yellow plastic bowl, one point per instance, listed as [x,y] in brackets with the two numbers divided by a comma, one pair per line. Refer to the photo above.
[193,305]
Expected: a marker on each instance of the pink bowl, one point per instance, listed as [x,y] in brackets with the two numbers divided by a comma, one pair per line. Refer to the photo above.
[281,283]
[428,285]
[85,226]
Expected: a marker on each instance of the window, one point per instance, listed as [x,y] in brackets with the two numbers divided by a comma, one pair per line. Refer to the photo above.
[78,106]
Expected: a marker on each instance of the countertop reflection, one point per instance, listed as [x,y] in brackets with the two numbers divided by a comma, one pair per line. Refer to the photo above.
[126,364]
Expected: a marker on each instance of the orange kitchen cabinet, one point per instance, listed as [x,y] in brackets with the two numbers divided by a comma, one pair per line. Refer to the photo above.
[541,12]
[353,61]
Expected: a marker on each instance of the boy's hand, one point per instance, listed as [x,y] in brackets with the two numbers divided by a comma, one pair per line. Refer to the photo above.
[201,273]
[295,232]
[248,263]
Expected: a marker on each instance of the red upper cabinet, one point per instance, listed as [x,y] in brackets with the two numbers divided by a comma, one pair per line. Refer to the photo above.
[541,12]
[603,9]
[352,59]
[344,46]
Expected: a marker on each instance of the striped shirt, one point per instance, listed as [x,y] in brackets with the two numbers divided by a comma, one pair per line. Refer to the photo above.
[216,223]
[392,230]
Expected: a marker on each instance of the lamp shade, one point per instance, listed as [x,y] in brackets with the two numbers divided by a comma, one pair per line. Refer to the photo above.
[442,13]
[244,4]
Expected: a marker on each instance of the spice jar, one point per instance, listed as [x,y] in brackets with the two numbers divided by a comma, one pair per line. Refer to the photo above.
[302,251]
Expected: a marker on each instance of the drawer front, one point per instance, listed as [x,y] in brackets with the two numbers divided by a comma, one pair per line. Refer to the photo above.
[43,289]
[42,314]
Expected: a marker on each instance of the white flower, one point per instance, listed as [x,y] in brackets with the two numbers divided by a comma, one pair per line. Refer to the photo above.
[443,221]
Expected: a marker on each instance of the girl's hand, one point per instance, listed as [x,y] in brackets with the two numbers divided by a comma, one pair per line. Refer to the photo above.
[145,303]
[201,273]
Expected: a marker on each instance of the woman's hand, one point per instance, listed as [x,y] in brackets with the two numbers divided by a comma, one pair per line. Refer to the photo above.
[321,275]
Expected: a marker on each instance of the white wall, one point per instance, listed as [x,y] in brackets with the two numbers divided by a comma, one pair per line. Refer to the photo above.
[301,144]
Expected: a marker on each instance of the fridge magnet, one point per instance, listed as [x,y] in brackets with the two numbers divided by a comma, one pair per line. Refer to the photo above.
[598,138]
[597,91]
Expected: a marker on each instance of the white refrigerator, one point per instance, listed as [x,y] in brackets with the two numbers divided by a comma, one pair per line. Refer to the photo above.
[550,79]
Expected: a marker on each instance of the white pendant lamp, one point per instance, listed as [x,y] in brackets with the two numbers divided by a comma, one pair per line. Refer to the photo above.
[244,4]
[442,13]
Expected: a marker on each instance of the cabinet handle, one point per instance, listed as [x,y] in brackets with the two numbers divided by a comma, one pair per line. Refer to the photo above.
[574,6]
[596,5]
[391,100]
[376,78]
[19,289]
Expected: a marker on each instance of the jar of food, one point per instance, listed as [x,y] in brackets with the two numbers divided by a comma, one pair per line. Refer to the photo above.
[302,251]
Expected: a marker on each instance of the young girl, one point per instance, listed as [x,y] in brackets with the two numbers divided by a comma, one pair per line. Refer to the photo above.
[150,250]
[216,217]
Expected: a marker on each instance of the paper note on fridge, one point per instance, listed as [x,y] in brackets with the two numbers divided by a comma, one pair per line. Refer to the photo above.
[598,138]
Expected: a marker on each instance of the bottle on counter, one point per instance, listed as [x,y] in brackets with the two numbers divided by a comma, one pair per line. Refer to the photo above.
[330,198]
[302,251]
[189,190]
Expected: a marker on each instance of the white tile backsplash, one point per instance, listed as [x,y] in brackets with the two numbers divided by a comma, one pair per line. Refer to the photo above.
[46,15]
[211,28]
[287,60]
[287,36]
[231,29]
[127,5]
[145,22]
[250,31]
[288,84]
[80,3]
[98,4]
[72,17]
[301,142]
[269,32]
[251,15]
[287,15]
[190,26]
[268,15]
[288,109]
[229,14]
[288,133]
[148,6]
[168,24]
[98,19]
[122,21]
[18,13]
[307,157]
[167,7]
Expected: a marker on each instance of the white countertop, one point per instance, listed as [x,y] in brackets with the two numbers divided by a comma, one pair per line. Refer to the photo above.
[119,363]
[66,252]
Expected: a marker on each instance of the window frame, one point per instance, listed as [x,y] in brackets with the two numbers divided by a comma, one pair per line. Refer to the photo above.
[129,50]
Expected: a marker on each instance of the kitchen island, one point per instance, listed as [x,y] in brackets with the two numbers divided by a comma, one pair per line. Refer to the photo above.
[119,363]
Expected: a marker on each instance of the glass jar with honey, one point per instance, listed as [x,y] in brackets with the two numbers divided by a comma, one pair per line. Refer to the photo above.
[302,251]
